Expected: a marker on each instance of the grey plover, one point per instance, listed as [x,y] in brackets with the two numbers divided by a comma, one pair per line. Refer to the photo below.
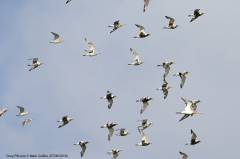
[196,14]
[22,112]
[136,60]
[91,51]
[193,141]
[110,128]
[65,121]
[109,97]
[35,63]
[116,25]
[182,76]
[145,103]
[83,146]
[56,38]
[142,33]
[171,24]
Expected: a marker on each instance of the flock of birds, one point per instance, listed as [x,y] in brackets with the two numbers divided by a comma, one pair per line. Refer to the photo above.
[190,108]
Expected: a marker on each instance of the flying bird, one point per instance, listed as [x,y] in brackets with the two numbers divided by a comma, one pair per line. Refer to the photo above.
[164,88]
[184,155]
[2,111]
[109,97]
[166,65]
[146,2]
[182,76]
[142,33]
[26,121]
[91,51]
[144,139]
[65,121]
[110,128]
[22,112]
[136,60]
[114,152]
[35,63]
[83,146]
[56,38]
[193,139]
[188,111]
[196,14]
[193,103]
[145,103]
[145,124]
[122,132]
[116,25]
[171,24]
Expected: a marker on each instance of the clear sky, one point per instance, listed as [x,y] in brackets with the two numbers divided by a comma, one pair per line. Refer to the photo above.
[69,83]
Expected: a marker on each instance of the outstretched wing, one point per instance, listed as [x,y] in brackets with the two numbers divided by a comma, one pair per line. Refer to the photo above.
[32,68]
[188,104]
[21,109]
[111,130]
[184,117]
[167,69]
[171,20]
[165,92]
[146,2]
[83,149]
[184,155]
[194,136]
[142,29]
[115,155]
[91,45]
[56,36]
[145,105]
[183,80]
[136,55]
[110,101]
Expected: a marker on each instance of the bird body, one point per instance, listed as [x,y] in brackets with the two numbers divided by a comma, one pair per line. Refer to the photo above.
[109,97]
[91,51]
[35,63]
[65,121]
[136,60]
[110,128]
[116,25]
[2,111]
[22,112]
[142,33]
[83,146]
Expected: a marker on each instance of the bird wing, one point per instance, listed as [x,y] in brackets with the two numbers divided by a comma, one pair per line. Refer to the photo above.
[194,18]
[21,109]
[122,130]
[167,69]
[136,55]
[91,45]
[111,130]
[171,20]
[145,105]
[165,92]
[24,122]
[194,136]
[113,30]
[83,149]
[184,155]
[144,136]
[115,155]
[184,117]
[183,80]
[56,36]
[110,101]
[116,22]
[188,104]
[142,29]
[34,60]
[146,2]
[32,68]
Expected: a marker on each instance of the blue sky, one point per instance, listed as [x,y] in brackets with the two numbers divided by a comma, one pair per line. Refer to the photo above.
[70,84]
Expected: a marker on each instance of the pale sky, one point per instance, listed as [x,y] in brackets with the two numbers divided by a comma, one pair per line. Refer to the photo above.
[69,83]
